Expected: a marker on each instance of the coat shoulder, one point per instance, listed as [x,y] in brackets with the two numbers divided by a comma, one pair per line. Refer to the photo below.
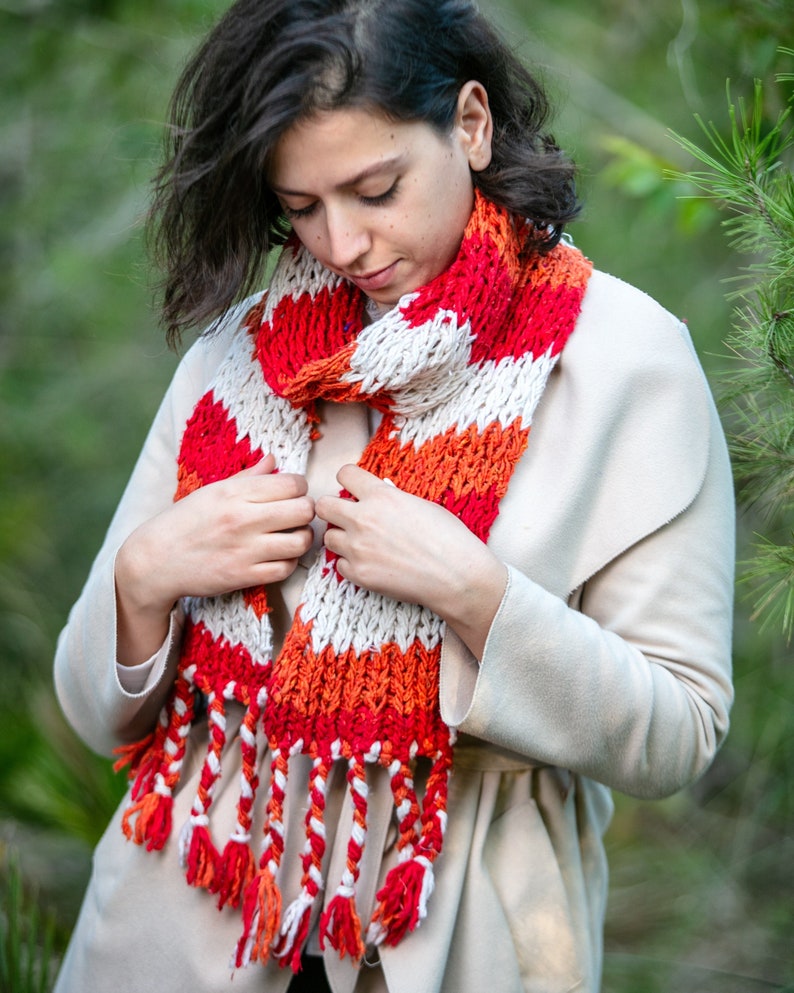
[621,440]
[630,329]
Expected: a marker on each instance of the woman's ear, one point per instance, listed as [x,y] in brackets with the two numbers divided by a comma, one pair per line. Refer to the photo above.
[474,124]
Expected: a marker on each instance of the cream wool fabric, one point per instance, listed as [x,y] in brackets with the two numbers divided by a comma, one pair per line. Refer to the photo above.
[608,665]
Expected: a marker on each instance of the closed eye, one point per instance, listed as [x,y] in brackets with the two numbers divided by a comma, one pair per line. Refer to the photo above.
[294,213]
[298,213]
[381,198]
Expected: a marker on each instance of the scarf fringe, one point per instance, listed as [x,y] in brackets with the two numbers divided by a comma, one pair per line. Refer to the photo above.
[262,899]
[295,924]
[197,851]
[340,924]
[235,868]
[199,856]
[261,917]
[294,931]
[236,865]
[148,821]
[402,901]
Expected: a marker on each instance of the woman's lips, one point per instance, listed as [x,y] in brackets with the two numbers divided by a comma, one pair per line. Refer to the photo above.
[373,281]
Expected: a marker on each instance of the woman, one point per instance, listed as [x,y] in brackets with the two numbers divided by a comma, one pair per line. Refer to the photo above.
[377,652]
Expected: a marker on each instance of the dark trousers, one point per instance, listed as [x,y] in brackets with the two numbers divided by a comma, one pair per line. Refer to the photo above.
[311,978]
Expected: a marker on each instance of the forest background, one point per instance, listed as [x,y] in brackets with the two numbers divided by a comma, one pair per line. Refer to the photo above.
[701,884]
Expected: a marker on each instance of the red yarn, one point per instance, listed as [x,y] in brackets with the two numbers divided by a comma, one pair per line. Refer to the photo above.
[402,899]
[133,755]
[152,815]
[261,916]
[234,871]
[340,925]
[289,945]
[202,858]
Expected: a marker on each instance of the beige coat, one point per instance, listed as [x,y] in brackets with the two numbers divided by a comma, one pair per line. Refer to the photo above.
[607,665]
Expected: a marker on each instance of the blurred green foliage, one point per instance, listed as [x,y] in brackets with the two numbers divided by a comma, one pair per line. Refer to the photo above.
[749,175]
[26,937]
[701,887]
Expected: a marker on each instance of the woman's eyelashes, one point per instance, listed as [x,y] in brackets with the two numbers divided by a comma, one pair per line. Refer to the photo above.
[296,213]
[381,198]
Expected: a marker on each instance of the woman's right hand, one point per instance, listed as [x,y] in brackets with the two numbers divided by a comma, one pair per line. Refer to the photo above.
[247,530]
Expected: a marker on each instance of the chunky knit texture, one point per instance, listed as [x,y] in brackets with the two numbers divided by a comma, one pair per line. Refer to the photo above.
[457,370]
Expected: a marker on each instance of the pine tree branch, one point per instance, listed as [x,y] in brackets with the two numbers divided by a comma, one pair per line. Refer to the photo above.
[748,174]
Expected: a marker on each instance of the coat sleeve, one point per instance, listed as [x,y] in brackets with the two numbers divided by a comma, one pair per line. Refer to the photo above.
[93,699]
[628,682]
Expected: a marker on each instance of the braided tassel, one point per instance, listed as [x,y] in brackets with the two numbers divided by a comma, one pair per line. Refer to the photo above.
[402,900]
[340,923]
[297,916]
[237,865]
[152,811]
[197,851]
[434,807]
[262,897]
[405,803]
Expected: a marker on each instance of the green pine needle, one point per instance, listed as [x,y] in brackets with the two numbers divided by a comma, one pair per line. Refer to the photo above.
[749,175]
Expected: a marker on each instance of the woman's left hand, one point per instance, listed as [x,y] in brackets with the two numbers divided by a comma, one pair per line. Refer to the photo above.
[413,550]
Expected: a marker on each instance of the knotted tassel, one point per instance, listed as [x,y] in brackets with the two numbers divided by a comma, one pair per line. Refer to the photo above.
[198,853]
[235,869]
[340,923]
[297,917]
[262,898]
[402,900]
[294,931]
[152,825]
[152,809]
[236,866]
[261,917]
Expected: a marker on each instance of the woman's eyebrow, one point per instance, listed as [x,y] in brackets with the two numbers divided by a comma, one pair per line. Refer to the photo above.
[381,166]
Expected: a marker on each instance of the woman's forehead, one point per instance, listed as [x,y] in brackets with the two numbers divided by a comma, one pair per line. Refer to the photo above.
[343,147]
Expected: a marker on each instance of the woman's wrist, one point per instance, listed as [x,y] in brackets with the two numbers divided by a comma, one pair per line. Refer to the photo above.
[472,597]
[142,612]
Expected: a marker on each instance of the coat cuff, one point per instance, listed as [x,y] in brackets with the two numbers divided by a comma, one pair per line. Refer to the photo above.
[138,680]
[460,669]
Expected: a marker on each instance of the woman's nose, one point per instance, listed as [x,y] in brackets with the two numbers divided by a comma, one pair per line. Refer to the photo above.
[348,239]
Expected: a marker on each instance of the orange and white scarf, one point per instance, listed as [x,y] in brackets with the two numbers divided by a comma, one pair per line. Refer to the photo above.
[457,369]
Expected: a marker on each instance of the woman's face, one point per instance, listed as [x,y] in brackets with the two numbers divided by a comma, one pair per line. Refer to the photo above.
[382,203]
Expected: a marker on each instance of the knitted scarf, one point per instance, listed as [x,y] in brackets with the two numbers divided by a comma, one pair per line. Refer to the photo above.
[457,369]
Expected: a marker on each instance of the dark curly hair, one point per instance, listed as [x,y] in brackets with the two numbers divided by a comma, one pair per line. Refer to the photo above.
[270,63]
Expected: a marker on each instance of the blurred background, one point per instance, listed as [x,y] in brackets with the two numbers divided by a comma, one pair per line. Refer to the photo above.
[701,891]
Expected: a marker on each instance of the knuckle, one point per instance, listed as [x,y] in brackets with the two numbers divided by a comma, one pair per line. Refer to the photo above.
[305,509]
[292,484]
[230,516]
[282,569]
